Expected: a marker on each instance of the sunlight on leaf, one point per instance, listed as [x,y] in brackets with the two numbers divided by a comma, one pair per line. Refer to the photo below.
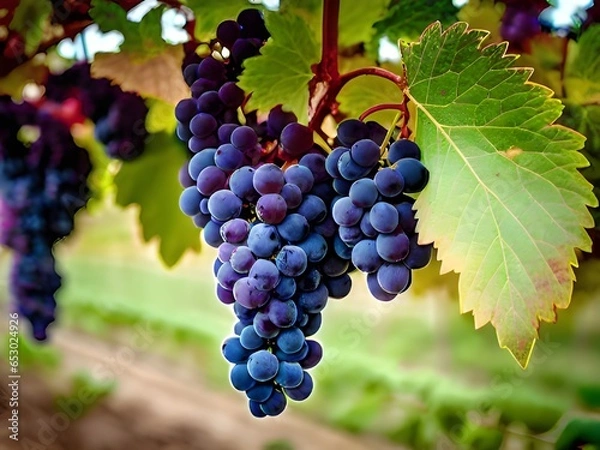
[505,206]
[159,76]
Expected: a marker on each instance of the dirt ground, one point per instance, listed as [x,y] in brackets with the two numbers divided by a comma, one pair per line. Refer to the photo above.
[155,406]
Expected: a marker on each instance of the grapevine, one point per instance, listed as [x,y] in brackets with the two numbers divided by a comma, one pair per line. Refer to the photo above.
[301,198]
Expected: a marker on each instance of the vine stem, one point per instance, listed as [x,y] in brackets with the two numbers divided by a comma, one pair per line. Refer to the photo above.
[380,107]
[329,46]
[328,103]
[375,71]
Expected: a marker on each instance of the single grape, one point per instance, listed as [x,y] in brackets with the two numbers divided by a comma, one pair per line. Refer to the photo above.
[275,404]
[244,138]
[366,257]
[293,228]
[291,261]
[389,182]
[247,294]
[228,158]
[314,301]
[350,131]
[189,201]
[290,340]
[296,139]
[290,374]
[364,193]
[394,278]
[403,148]
[283,314]
[250,340]
[346,213]
[224,205]
[303,391]
[264,240]
[234,352]
[414,173]
[315,354]
[268,179]
[240,378]
[383,217]
[365,153]
[393,247]
[265,275]
[271,208]
[418,255]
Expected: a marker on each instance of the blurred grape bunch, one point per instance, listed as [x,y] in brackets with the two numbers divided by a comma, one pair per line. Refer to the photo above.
[119,116]
[43,183]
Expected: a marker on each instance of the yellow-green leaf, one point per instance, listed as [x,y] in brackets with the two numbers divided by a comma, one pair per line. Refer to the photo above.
[505,205]
[151,181]
[282,72]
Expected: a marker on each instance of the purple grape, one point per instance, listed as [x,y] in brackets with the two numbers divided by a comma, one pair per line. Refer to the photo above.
[271,208]
[268,179]
[202,125]
[296,139]
[231,95]
[393,247]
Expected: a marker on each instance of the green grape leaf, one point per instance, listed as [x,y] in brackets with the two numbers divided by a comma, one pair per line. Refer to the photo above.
[505,204]
[366,91]
[582,83]
[281,74]
[158,77]
[160,117]
[407,19]
[110,16]
[356,19]
[151,181]
[100,180]
[32,71]
[144,38]
[210,13]
[31,19]
[586,120]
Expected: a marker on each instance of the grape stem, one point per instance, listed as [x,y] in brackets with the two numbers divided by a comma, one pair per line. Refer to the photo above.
[329,48]
[380,107]
[328,82]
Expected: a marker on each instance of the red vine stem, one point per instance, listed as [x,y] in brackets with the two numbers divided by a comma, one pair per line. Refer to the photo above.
[329,47]
[375,71]
[328,101]
[327,82]
[380,107]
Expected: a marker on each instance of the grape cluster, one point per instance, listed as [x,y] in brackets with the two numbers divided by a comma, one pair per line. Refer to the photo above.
[119,116]
[276,261]
[375,217]
[208,118]
[266,198]
[278,269]
[43,182]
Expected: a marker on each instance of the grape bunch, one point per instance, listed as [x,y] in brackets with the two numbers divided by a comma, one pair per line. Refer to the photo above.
[119,116]
[265,196]
[375,218]
[43,183]
[276,262]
